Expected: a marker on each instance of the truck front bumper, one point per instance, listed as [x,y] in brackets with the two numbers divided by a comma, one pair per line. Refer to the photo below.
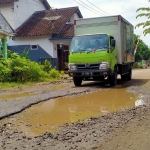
[89,73]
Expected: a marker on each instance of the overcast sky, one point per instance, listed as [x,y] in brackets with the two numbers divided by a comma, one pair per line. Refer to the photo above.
[126,8]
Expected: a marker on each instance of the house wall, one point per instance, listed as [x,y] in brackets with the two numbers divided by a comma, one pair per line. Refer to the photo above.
[45,48]
[42,41]
[18,12]
[23,9]
[7,11]
[74,17]
[50,47]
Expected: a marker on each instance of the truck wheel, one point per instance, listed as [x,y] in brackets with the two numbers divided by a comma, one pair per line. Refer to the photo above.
[77,81]
[123,77]
[129,75]
[113,79]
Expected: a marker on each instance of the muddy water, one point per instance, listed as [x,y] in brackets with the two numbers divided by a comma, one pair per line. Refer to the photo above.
[15,95]
[46,116]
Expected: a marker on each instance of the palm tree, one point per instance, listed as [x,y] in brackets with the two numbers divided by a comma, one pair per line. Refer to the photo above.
[145,25]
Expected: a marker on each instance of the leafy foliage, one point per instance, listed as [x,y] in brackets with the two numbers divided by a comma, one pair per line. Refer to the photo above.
[143,52]
[20,69]
[54,73]
[145,25]
[47,65]
[25,53]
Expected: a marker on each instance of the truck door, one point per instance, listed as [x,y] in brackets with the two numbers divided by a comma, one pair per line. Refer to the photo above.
[113,55]
[124,41]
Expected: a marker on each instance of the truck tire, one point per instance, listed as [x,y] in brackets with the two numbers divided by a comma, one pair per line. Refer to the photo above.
[77,81]
[123,77]
[129,75]
[113,79]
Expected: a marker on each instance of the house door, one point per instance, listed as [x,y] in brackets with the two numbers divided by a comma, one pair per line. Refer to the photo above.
[63,57]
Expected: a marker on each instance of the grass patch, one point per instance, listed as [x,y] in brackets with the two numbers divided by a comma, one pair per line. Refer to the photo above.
[6,85]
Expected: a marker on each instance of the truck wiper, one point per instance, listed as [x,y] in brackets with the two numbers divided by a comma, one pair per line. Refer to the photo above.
[82,51]
[90,51]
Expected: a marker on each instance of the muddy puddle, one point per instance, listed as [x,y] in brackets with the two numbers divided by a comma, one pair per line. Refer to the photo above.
[47,116]
[16,95]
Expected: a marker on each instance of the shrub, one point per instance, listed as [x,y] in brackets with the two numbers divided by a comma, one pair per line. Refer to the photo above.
[35,72]
[62,73]
[5,73]
[47,66]
[54,74]
[21,69]
[9,53]
[25,54]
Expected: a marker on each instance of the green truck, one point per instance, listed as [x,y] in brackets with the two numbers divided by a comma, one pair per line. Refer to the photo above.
[101,49]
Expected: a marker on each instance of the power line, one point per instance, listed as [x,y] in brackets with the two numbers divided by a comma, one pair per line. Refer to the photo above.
[87,8]
[91,8]
[98,8]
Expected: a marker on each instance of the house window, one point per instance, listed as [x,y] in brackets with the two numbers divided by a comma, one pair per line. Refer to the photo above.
[33,47]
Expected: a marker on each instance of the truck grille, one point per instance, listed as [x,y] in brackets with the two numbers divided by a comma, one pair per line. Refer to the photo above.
[88,67]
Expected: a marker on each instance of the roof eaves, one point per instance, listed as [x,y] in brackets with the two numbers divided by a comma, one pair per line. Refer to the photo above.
[26,20]
[8,23]
[61,38]
[68,19]
[46,4]
[79,13]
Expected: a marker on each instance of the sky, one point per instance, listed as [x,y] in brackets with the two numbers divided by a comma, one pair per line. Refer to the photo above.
[126,8]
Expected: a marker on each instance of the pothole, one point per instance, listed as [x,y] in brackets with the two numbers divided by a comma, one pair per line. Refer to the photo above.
[47,116]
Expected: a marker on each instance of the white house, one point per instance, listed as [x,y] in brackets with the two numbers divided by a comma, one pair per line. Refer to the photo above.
[41,29]
[17,12]
[5,32]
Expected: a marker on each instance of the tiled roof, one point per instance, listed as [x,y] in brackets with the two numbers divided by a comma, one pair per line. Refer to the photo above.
[45,3]
[66,32]
[39,24]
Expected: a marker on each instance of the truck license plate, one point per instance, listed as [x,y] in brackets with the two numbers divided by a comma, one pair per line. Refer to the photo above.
[87,73]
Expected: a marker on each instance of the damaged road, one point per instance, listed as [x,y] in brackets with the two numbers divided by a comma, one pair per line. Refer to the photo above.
[111,131]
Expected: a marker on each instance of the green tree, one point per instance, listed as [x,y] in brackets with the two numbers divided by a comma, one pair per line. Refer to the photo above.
[142,52]
[146,24]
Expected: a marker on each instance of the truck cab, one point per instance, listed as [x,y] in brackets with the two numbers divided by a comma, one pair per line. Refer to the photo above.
[92,57]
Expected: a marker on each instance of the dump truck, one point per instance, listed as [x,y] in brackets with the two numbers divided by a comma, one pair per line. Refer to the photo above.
[102,48]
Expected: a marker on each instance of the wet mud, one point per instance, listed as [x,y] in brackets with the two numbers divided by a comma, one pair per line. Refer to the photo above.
[47,116]
[16,95]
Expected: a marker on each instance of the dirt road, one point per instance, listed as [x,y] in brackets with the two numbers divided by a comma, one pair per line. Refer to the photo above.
[136,134]
[124,129]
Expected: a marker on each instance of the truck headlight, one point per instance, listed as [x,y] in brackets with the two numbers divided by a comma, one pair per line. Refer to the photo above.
[72,67]
[104,65]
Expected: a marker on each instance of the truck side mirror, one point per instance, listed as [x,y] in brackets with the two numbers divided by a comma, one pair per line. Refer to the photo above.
[61,46]
[113,43]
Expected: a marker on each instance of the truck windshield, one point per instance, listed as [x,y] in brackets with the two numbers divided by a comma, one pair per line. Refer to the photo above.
[89,43]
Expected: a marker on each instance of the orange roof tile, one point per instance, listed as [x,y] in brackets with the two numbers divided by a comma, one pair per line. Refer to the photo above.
[43,22]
